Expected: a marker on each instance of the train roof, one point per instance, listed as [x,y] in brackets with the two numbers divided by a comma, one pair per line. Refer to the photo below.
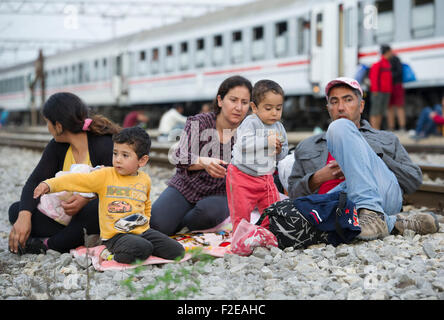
[210,18]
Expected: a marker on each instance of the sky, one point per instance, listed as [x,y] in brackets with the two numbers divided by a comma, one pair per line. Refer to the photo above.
[21,34]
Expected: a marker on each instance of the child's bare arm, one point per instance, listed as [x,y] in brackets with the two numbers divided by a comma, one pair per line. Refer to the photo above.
[42,188]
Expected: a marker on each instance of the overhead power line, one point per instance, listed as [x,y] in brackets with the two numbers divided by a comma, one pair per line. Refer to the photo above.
[100,7]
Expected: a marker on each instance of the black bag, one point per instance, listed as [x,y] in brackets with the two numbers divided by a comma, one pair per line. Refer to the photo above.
[318,218]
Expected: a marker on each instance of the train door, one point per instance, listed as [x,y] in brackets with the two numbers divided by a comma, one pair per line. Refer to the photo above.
[120,72]
[324,45]
[348,38]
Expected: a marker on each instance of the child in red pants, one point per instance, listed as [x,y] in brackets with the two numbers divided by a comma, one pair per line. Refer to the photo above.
[261,141]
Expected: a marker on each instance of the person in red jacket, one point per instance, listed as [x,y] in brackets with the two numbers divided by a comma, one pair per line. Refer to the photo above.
[381,86]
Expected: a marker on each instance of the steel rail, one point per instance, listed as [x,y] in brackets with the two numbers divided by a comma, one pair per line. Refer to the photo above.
[429,195]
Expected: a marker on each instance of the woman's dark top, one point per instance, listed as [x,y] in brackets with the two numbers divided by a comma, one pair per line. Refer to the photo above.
[100,150]
[199,138]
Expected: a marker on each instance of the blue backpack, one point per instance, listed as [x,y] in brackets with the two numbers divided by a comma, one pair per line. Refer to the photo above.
[407,73]
[319,218]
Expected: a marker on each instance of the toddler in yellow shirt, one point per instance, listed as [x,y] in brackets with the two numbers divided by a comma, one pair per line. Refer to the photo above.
[124,201]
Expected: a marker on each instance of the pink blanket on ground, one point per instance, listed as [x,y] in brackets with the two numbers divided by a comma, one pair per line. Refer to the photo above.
[214,244]
[94,254]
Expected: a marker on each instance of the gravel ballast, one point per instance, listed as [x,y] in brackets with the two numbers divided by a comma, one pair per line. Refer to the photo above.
[401,267]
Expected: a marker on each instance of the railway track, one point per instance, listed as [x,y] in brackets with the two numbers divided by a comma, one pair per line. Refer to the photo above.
[428,195]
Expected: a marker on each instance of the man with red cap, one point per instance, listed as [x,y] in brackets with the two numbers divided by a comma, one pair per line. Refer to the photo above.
[370,165]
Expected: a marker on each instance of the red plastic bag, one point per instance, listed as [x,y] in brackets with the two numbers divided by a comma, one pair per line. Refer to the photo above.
[249,236]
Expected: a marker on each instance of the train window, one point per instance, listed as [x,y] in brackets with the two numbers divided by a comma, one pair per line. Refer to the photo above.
[281,39]
[218,54]
[53,79]
[73,74]
[142,55]
[21,83]
[94,75]
[66,76]
[57,77]
[423,18]
[169,61]
[104,69]
[85,71]
[118,65]
[200,53]
[319,29]
[303,39]
[80,76]
[142,64]
[385,30]
[155,60]
[49,78]
[258,47]
[169,50]
[184,56]
[132,56]
[237,53]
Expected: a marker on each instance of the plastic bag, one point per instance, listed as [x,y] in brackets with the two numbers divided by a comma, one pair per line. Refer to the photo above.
[249,236]
[51,205]
[362,73]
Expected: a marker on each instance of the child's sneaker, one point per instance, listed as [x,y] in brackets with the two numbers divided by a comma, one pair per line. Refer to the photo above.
[106,255]
[421,223]
[33,245]
[373,225]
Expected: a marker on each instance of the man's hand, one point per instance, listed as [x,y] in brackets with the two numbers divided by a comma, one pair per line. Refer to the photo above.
[432,114]
[20,231]
[329,172]
[74,204]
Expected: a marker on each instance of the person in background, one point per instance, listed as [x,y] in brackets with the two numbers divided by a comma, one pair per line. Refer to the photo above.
[261,141]
[77,138]
[428,120]
[206,107]
[397,97]
[4,117]
[135,118]
[370,165]
[124,201]
[170,120]
[381,86]
[196,197]
[437,118]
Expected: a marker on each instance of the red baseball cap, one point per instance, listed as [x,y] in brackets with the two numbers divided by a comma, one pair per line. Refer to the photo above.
[348,81]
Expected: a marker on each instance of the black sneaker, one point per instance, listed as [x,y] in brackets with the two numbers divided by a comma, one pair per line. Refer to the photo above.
[33,245]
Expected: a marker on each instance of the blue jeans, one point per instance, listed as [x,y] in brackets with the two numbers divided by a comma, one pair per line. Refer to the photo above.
[369,183]
[426,126]
[171,212]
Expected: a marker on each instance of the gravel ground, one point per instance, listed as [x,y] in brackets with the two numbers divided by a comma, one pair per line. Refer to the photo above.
[398,267]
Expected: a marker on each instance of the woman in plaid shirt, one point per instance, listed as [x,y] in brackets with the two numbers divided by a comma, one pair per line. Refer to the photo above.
[196,195]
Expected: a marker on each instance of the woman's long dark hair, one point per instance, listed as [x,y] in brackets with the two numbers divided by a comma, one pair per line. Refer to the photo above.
[70,111]
[227,85]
